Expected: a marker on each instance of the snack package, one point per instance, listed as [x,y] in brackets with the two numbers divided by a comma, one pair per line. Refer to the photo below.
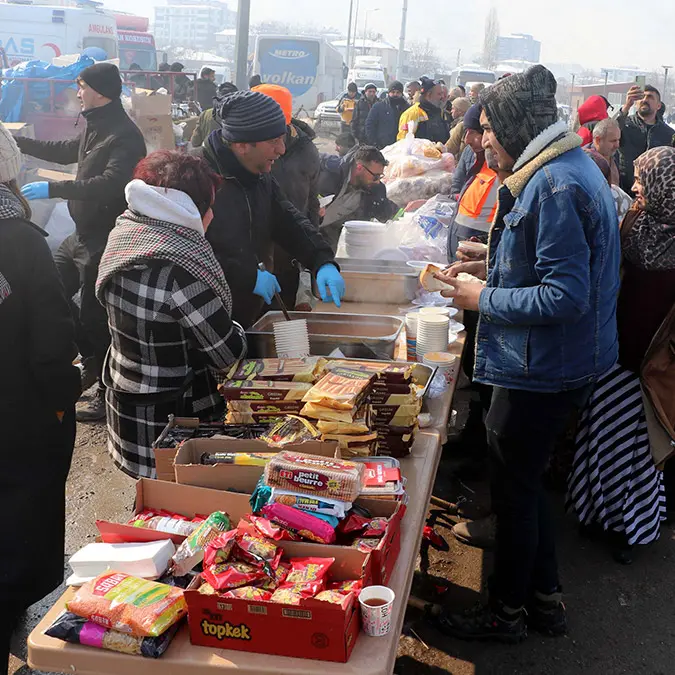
[348,441]
[219,549]
[207,589]
[345,587]
[261,495]
[331,596]
[292,429]
[74,629]
[257,551]
[323,413]
[377,527]
[353,524]
[394,373]
[385,397]
[342,389]
[315,505]
[279,370]
[236,458]
[169,523]
[254,418]
[268,529]
[264,407]
[231,574]
[318,476]
[302,523]
[308,570]
[358,425]
[263,390]
[128,604]
[280,575]
[365,545]
[248,593]
[191,551]
[287,596]
[397,416]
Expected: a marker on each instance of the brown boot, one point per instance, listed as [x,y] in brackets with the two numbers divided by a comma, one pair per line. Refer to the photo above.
[479,533]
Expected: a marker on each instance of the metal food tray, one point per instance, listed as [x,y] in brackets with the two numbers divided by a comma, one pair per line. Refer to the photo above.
[356,335]
[381,281]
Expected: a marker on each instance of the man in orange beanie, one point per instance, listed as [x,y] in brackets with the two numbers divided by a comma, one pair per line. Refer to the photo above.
[297,172]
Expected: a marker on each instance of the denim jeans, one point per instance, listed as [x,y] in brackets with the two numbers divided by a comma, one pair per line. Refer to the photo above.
[522,427]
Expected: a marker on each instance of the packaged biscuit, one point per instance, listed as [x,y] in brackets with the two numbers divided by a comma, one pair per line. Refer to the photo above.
[318,476]
[302,523]
[355,451]
[236,458]
[264,407]
[279,370]
[270,530]
[280,574]
[232,574]
[395,415]
[191,551]
[324,414]
[263,390]
[254,418]
[74,629]
[322,505]
[248,593]
[292,429]
[348,441]
[128,604]
[342,389]
[387,372]
[359,425]
[384,397]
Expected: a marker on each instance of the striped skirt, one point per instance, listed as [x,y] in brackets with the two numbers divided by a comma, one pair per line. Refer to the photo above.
[613,482]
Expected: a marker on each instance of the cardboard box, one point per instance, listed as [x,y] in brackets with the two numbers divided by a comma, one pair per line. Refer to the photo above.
[186,500]
[147,103]
[312,630]
[164,456]
[189,470]
[20,129]
[157,131]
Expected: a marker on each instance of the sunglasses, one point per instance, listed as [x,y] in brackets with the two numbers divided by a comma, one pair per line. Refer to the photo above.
[376,176]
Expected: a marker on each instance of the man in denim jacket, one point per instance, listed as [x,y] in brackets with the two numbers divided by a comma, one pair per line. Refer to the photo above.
[547,331]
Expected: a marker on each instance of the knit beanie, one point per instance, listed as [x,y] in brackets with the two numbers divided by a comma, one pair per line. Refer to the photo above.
[472,118]
[281,95]
[10,156]
[250,116]
[520,107]
[103,78]
[396,86]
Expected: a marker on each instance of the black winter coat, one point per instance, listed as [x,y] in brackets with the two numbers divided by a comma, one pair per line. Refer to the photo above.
[382,122]
[106,155]
[436,128]
[206,91]
[361,111]
[251,214]
[636,138]
[37,380]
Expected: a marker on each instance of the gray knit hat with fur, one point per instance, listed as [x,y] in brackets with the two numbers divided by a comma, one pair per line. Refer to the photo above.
[520,107]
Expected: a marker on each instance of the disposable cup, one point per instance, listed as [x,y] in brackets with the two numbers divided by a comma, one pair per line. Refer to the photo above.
[435,310]
[376,620]
[444,362]
[291,339]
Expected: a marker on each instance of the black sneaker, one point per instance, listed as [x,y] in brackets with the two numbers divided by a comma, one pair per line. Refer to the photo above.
[94,410]
[492,622]
[546,614]
[88,377]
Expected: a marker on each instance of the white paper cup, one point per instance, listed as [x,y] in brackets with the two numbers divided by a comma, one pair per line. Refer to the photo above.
[435,310]
[432,334]
[291,339]
[376,620]
[444,362]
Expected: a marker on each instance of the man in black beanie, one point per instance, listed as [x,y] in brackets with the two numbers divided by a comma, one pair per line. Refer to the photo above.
[546,334]
[382,120]
[251,212]
[106,154]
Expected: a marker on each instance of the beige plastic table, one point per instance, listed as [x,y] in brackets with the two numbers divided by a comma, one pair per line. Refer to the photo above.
[371,656]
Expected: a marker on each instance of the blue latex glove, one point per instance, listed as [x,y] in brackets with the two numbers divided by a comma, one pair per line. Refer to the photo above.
[39,190]
[266,286]
[329,279]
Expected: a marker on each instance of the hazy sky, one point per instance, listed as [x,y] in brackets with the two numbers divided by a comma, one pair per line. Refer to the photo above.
[594,33]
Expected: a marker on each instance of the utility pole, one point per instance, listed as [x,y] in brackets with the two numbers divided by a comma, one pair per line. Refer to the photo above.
[665,81]
[604,91]
[356,30]
[400,58]
[349,33]
[459,58]
[241,43]
[572,92]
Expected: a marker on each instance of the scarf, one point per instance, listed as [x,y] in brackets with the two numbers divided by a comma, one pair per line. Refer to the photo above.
[10,204]
[650,244]
[138,238]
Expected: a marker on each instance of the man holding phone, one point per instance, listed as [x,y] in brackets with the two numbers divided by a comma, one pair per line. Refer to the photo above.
[641,131]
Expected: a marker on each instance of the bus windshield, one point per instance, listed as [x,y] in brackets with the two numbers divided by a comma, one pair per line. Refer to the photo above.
[145,58]
[462,76]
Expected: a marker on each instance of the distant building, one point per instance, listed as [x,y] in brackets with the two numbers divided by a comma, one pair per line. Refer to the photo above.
[191,23]
[518,47]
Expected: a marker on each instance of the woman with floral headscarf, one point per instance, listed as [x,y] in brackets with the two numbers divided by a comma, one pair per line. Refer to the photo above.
[614,486]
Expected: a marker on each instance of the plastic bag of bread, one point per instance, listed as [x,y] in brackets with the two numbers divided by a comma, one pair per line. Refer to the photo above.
[128,604]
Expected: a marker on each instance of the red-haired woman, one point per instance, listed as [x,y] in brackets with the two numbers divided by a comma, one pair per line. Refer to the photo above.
[168,308]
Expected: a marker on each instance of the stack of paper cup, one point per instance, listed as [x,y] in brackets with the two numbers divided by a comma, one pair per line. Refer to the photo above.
[432,334]
[444,363]
[376,603]
[411,334]
[445,311]
[291,339]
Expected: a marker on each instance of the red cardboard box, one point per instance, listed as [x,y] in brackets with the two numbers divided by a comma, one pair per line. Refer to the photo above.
[186,500]
[312,630]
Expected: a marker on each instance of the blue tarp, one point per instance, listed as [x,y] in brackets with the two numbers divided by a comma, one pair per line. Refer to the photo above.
[13,90]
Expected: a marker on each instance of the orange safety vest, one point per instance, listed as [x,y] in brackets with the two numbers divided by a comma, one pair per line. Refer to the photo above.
[473,201]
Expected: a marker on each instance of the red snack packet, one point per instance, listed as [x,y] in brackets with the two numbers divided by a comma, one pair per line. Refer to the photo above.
[255,550]
[220,549]
[280,574]
[272,531]
[306,570]
[365,545]
[248,593]
[345,587]
[335,597]
[231,575]
[376,528]
[300,522]
[353,523]
[287,596]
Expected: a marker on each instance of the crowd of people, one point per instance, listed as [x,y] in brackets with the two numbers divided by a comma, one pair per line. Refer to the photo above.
[176,254]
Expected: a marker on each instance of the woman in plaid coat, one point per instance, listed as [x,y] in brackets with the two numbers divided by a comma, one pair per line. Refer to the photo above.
[169,308]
